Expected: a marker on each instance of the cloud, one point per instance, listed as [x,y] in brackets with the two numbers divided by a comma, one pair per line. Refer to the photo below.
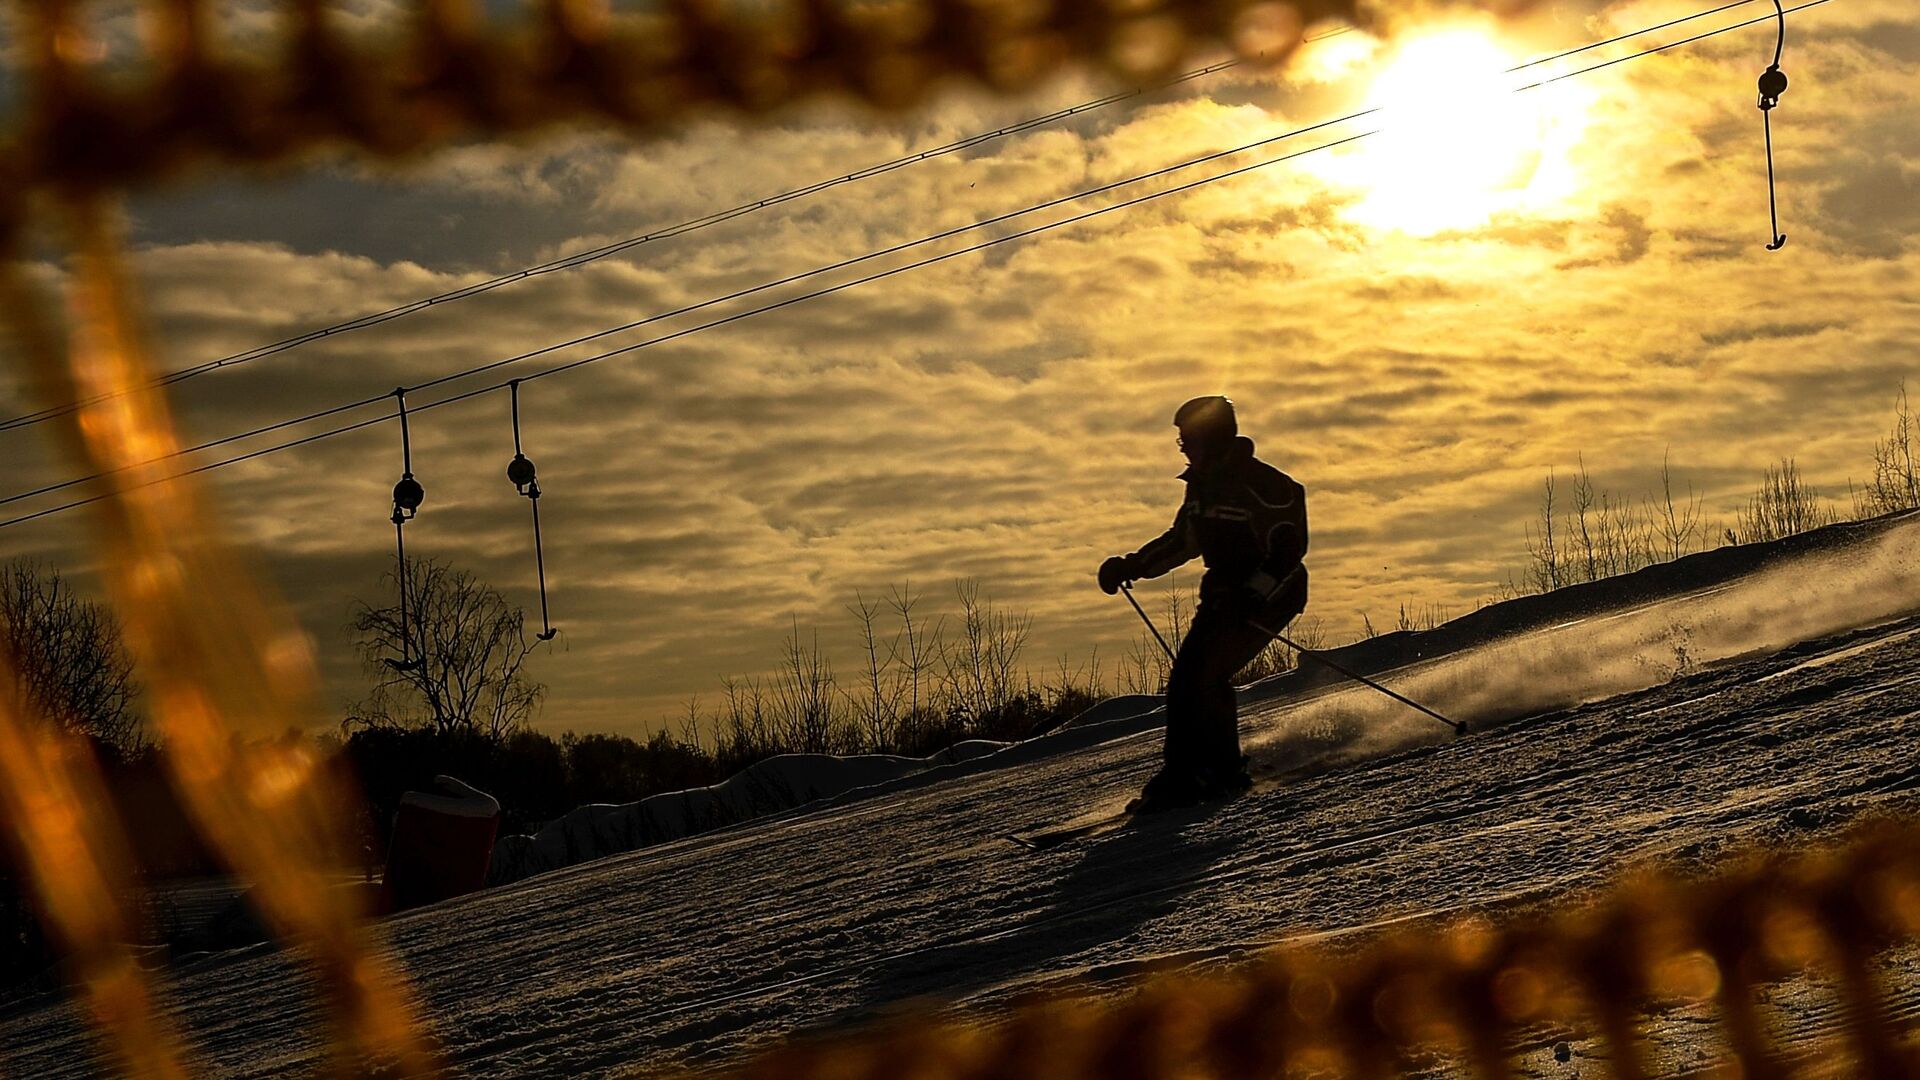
[1877,207]
[1738,335]
[1631,241]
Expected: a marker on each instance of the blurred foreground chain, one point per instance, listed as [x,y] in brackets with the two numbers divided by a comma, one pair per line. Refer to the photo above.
[1475,995]
[225,670]
[188,98]
[226,659]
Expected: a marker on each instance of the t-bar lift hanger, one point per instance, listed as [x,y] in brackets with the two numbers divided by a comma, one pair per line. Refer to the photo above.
[407,497]
[1773,83]
[520,470]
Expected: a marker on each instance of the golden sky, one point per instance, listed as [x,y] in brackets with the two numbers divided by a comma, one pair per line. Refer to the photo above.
[1417,327]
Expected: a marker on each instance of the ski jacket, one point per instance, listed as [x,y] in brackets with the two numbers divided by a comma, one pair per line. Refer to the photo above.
[1247,521]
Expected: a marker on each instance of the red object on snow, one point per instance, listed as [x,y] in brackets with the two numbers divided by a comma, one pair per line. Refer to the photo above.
[441,844]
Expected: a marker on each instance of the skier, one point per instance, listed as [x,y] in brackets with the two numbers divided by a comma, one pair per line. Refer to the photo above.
[1248,522]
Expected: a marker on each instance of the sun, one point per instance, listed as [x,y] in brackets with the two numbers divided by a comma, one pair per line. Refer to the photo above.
[1455,143]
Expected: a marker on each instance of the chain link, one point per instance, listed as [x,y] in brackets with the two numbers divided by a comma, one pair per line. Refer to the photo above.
[453,76]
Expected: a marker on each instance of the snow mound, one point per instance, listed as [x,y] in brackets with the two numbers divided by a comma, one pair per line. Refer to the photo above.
[454,798]
[1519,658]
[1124,707]
[778,783]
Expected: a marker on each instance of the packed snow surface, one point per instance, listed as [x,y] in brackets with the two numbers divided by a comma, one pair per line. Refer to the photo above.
[1768,709]
[779,783]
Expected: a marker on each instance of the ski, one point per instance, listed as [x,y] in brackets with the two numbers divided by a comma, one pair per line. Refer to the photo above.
[1083,827]
[1101,823]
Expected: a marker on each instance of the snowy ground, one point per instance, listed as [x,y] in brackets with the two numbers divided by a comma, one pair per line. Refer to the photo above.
[1749,723]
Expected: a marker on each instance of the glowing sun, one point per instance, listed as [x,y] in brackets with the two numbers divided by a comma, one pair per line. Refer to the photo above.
[1456,144]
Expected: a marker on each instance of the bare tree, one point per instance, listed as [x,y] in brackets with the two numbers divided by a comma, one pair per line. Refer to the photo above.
[1603,534]
[690,723]
[918,646]
[1896,479]
[1584,527]
[876,703]
[72,668]
[1547,569]
[1088,680]
[1144,668]
[1425,617]
[744,730]
[1782,506]
[980,672]
[1678,526]
[898,671]
[805,696]
[456,664]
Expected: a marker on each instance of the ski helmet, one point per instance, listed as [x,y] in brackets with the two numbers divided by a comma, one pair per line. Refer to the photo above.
[1207,416]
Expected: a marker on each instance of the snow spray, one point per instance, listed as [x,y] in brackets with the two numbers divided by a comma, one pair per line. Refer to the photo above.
[1602,654]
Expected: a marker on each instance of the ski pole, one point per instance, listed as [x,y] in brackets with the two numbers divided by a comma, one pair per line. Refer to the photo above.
[1458,727]
[1127,588]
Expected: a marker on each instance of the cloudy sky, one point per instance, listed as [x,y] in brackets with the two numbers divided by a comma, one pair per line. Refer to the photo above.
[1417,326]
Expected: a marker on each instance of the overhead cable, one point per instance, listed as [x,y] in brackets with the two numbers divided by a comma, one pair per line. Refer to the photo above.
[789,301]
[739,294]
[582,258]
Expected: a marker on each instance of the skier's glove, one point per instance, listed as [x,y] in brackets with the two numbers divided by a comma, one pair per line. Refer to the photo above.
[1114,572]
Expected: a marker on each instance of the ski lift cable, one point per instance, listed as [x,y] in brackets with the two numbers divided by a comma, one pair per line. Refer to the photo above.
[1702,36]
[581,258]
[498,363]
[739,294]
[1618,38]
[351,406]
[787,302]
[623,350]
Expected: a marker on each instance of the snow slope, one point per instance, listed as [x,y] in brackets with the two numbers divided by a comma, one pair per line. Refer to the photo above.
[1768,707]
[782,782]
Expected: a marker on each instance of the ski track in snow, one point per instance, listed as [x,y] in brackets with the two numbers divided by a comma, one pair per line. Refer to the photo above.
[707,949]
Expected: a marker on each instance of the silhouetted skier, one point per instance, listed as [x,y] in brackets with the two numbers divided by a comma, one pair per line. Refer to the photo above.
[1248,521]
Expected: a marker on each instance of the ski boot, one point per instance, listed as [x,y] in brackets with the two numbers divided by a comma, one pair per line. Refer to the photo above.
[1170,789]
[1225,782]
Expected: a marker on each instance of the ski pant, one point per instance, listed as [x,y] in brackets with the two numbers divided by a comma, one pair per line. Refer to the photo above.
[1203,718]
